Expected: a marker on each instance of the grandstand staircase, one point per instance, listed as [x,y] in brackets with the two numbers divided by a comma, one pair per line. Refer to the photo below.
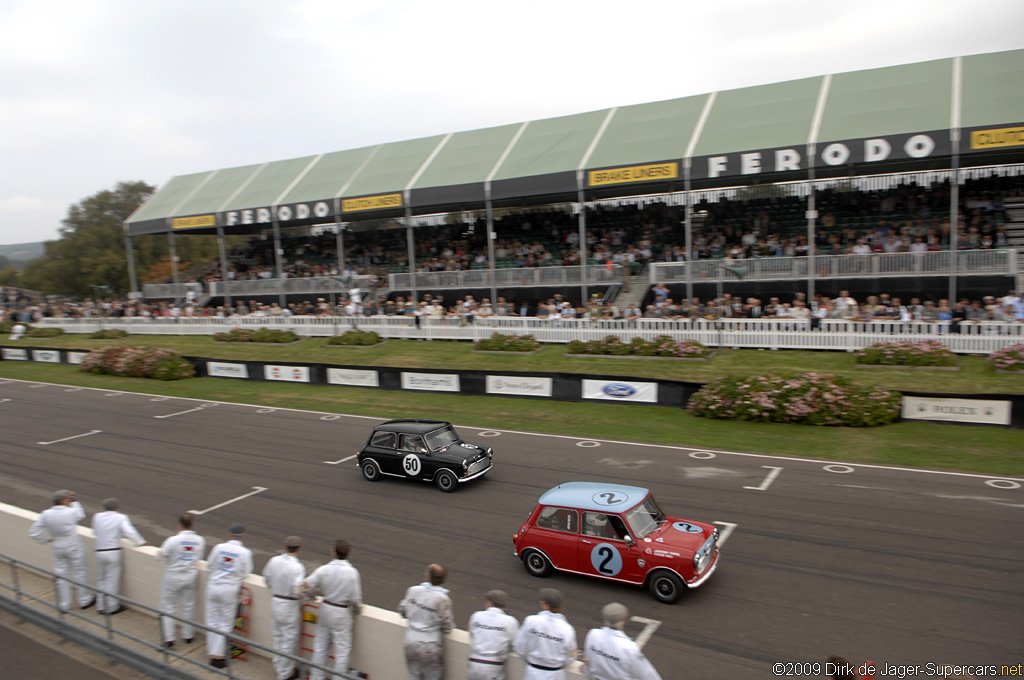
[634,289]
[1014,208]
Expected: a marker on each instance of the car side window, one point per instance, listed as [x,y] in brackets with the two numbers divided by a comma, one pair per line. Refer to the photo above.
[386,440]
[414,443]
[559,519]
[598,525]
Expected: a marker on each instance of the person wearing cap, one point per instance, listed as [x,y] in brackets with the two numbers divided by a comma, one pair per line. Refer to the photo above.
[283,574]
[609,654]
[491,634]
[339,583]
[428,609]
[58,525]
[110,527]
[228,565]
[182,553]
[546,640]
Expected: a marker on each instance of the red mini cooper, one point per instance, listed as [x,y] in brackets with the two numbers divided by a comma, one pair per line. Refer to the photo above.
[618,533]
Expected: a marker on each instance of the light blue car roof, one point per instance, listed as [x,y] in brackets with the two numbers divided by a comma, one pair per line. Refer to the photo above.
[596,496]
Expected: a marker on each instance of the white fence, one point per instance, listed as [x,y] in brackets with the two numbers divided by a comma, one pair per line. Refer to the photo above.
[310,285]
[508,278]
[971,338]
[878,265]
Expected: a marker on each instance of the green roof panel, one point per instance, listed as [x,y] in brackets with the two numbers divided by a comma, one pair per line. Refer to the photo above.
[468,157]
[269,183]
[993,89]
[212,195]
[888,101]
[325,179]
[167,197]
[552,145]
[762,117]
[393,167]
[648,132]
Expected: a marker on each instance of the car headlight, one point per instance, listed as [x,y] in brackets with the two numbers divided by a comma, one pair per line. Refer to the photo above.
[465,465]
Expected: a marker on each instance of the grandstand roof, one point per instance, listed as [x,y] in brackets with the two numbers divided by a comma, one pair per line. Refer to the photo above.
[869,122]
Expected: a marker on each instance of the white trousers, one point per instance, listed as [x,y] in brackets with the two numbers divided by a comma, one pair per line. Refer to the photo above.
[532,673]
[108,578]
[484,671]
[333,624]
[69,562]
[178,590]
[285,619]
[424,658]
[221,610]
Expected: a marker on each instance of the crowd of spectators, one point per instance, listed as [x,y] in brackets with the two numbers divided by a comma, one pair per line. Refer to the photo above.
[905,218]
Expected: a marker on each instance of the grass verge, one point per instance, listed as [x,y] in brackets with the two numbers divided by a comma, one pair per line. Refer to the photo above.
[988,450]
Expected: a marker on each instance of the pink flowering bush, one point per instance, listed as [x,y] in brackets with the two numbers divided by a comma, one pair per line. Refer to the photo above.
[356,337]
[138,362]
[806,399]
[660,346]
[262,335]
[508,343]
[923,353]
[1008,358]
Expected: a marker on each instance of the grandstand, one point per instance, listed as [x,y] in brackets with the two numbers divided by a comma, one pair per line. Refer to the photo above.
[909,173]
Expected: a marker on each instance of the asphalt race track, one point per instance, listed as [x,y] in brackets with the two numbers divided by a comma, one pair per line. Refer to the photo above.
[898,566]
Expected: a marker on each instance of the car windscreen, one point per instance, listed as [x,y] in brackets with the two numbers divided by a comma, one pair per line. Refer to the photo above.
[646,517]
[438,439]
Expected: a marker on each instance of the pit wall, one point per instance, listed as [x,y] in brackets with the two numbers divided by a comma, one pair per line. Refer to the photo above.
[378,637]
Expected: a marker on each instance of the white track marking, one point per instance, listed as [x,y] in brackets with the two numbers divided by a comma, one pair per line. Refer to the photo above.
[588,444]
[650,626]
[37,386]
[723,535]
[56,441]
[773,472]
[180,413]
[1002,483]
[670,447]
[702,455]
[256,490]
[338,462]
[3,400]
[841,469]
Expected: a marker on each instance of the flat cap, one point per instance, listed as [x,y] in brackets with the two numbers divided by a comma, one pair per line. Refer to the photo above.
[293,541]
[499,598]
[60,495]
[236,529]
[552,597]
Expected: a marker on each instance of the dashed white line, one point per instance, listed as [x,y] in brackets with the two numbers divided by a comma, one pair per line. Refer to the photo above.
[57,441]
[338,462]
[180,413]
[727,529]
[256,490]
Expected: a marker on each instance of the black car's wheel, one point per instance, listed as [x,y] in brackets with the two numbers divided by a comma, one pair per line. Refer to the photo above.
[537,564]
[446,481]
[371,472]
[666,587]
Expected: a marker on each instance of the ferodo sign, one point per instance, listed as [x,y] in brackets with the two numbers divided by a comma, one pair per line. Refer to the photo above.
[829,154]
[284,213]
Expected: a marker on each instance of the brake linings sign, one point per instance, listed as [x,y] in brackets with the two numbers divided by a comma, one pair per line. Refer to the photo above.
[989,412]
[620,390]
[635,173]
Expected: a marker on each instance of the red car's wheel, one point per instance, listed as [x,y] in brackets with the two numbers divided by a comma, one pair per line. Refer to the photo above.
[537,564]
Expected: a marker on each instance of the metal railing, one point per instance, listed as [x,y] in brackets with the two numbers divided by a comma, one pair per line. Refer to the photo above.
[876,265]
[311,285]
[103,635]
[830,334]
[507,278]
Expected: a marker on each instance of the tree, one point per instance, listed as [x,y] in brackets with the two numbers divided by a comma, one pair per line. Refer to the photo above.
[90,251]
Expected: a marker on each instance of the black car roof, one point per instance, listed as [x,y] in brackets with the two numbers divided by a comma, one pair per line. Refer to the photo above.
[411,426]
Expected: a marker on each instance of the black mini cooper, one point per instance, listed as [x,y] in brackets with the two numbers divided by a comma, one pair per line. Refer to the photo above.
[427,450]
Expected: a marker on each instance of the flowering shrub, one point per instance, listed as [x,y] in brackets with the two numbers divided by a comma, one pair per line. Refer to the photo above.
[109,334]
[924,353]
[43,332]
[270,335]
[508,343]
[355,337]
[137,362]
[807,399]
[1008,358]
[661,346]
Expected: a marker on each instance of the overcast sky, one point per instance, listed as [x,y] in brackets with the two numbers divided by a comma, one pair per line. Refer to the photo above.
[93,93]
